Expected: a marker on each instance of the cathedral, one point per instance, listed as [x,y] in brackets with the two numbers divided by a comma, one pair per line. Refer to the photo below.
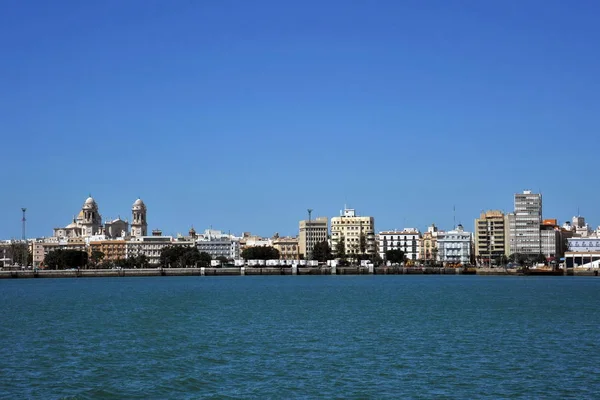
[89,223]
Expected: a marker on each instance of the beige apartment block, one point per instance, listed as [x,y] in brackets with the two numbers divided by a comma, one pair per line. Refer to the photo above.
[491,236]
[112,249]
[288,248]
[428,250]
[312,231]
[356,232]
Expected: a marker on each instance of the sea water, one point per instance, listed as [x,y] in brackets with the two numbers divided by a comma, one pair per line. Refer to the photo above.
[300,337]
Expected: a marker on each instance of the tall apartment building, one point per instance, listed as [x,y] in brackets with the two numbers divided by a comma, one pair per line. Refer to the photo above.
[490,236]
[524,224]
[407,240]
[357,233]
[312,231]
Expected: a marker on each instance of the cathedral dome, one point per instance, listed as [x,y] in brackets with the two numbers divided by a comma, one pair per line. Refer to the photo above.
[138,204]
[89,203]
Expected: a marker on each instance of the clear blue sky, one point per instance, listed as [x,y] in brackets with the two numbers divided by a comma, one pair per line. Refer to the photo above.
[243,114]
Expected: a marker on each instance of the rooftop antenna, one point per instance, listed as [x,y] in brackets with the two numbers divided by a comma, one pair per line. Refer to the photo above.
[24,220]
[454,215]
[24,260]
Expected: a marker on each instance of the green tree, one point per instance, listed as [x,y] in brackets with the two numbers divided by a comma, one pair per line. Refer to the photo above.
[260,253]
[96,257]
[362,243]
[142,261]
[60,259]
[340,249]
[394,256]
[54,260]
[20,253]
[223,260]
[204,259]
[179,256]
[321,251]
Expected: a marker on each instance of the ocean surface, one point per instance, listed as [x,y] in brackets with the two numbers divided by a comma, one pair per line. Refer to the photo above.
[290,337]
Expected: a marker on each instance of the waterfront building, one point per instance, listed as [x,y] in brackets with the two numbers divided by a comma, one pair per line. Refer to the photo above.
[288,247]
[583,252]
[139,224]
[249,240]
[217,244]
[113,250]
[357,233]
[454,247]
[551,240]
[524,224]
[72,243]
[311,232]
[37,252]
[428,250]
[151,247]
[408,240]
[491,229]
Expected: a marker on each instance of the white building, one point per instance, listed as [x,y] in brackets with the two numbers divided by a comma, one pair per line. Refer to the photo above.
[454,247]
[151,247]
[583,252]
[218,244]
[524,224]
[408,240]
[356,232]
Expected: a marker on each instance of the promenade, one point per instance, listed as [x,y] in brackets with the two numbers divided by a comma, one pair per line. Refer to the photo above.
[248,271]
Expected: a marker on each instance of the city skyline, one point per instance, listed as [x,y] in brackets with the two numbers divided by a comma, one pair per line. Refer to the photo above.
[243,116]
[280,229]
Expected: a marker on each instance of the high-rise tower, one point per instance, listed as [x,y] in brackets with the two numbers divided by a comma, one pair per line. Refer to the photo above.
[524,224]
[139,226]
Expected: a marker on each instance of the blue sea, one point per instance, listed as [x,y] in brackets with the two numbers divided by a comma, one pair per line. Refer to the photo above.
[285,337]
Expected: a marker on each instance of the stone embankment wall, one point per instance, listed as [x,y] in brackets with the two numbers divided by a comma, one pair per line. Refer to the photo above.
[237,271]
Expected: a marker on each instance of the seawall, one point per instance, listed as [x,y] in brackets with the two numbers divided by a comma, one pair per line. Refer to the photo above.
[237,271]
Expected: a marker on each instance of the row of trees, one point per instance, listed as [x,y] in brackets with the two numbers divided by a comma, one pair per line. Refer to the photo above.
[183,257]
[64,259]
[19,254]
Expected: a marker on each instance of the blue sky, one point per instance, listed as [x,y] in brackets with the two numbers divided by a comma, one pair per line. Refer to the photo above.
[241,115]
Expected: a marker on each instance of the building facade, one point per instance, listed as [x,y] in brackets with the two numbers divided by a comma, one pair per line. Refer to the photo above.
[151,247]
[311,232]
[524,224]
[220,247]
[408,240]
[113,250]
[428,249]
[583,252]
[288,247]
[491,230]
[454,247]
[357,233]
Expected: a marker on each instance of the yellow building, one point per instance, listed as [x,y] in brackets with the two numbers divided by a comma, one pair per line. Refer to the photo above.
[429,248]
[288,248]
[356,232]
[112,249]
[491,233]
[312,231]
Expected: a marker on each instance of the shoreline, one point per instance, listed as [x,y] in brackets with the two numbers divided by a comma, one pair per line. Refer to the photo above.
[247,271]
